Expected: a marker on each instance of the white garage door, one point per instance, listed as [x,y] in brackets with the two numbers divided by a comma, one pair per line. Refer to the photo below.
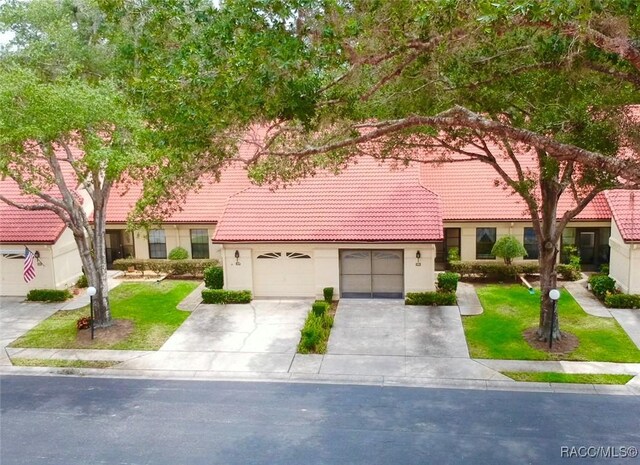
[283,274]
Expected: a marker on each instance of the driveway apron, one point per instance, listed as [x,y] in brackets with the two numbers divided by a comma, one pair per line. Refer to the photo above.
[389,327]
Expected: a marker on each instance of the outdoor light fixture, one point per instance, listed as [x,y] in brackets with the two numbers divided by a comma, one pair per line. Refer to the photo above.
[91,291]
[37,255]
[418,255]
[237,255]
[554,295]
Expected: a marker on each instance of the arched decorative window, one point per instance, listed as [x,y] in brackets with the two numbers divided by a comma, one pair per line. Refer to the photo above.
[297,255]
[270,255]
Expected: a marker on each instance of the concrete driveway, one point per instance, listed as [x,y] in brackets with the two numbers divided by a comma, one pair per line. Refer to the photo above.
[389,327]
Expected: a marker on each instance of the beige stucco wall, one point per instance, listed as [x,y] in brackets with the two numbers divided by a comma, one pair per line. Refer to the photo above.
[177,235]
[504,228]
[59,267]
[624,265]
[326,264]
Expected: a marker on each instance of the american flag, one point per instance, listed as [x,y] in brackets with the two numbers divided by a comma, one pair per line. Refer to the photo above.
[29,270]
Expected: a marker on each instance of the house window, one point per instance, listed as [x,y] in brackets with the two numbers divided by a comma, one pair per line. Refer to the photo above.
[485,240]
[530,243]
[199,243]
[157,244]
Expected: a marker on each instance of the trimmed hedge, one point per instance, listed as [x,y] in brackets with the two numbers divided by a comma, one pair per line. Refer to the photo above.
[622,301]
[493,269]
[448,282]
[430,298]
[214,277]
[328,294]
[320,307]
[601,285]
[171,267]
[220,296]
[569,272]
[48,295]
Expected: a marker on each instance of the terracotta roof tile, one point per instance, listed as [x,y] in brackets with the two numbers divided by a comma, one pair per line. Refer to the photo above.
[625,206]
[366,202]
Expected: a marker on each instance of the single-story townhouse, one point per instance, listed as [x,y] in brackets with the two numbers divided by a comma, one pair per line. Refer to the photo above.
[625,239]
[370,231]
[57,263]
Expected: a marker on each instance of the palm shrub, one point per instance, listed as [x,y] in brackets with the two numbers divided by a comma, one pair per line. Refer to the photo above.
[508,248]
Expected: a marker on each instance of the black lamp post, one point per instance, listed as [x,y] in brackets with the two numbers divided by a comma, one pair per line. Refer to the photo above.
[91,291]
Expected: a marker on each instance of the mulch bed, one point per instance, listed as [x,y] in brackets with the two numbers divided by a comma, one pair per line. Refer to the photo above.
[567,344]
[118,331]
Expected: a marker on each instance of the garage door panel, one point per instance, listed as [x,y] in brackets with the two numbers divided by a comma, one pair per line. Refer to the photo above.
[283,274]
[372,273]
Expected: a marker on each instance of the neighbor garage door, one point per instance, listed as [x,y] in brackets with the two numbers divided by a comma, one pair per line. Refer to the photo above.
[372,273]
[283,274]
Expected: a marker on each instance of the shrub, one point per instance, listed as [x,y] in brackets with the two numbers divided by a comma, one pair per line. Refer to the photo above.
[214,277]
[604,269]
[48,295]
[622,301]
[319,307]
[453,254]
[82,282]
[315,333]
[448,282]
[172,267]
[508,248]
[430,298]
[83,322]
[601,285]
[328,294]
[571,256]
[568,272]
[494,270]
[220,296]
[178,253]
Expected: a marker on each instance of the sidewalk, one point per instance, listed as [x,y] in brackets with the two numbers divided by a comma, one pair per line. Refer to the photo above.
[382,370]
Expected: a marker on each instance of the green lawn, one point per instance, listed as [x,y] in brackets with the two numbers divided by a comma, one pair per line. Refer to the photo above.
[551,377]
[510,310]
[58,363]
[150,306]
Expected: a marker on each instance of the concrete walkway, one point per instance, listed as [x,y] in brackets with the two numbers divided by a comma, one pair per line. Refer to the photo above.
[373,342]
[589,303]
[468,301]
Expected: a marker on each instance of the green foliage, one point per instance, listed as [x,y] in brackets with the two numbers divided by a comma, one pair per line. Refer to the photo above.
[602,285]
[554,377]
[622,300]
[178,253]
[510,310]
[328,294]
[194,267]
[319,307]
[314,335]
[571,255]
[214,277]
[508,248]
[604,268]
[568,272]
[448,281]
[82,282]
[494,270]
[48,295]
[150,306]
[220,296]
[430,298]
[453,254]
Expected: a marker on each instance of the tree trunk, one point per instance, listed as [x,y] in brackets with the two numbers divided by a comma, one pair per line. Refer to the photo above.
[548,281]
[101,309]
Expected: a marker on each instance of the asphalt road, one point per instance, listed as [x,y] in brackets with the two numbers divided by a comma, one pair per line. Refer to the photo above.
[69,420]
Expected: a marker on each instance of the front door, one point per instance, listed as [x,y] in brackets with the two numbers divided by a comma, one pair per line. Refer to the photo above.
[372,273]
[114,249]
[587,240]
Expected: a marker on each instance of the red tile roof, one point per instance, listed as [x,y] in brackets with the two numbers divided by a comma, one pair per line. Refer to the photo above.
[468,192]
[625,206]
[31,227]
[203,206]
[366,202]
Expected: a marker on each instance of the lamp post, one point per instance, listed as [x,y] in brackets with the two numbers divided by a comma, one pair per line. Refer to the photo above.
[91,291]
[554,295]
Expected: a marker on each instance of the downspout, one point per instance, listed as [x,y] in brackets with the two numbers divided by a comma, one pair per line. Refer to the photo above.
[224,266]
